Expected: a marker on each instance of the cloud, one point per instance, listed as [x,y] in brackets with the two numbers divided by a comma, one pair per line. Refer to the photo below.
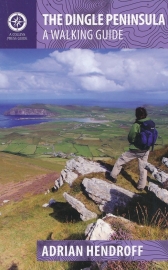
[89,71]
[3,81]
[78,61]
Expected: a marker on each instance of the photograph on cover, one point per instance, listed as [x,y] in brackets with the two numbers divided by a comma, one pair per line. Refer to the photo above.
[83,149]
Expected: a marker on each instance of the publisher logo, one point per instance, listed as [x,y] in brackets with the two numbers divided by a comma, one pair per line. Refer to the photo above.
[17,21]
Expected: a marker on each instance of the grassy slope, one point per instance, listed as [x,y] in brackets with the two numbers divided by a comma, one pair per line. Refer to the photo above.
[23,223]
[16,168]
[30,221]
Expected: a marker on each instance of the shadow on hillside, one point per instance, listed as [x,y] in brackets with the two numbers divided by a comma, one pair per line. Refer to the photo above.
[13,267]
[119,201]
[146,209]
[63,212]
[16,154]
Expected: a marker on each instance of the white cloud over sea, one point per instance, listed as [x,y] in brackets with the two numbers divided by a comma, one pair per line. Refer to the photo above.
[86,71]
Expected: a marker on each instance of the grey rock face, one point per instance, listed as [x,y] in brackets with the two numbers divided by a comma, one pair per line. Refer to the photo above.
[68,176]
[83,166]
[161,177]
[80,166]
[107,196]
[156,173]
[161,193]
[59,182]
[100,230]
[85,214]
[65,176]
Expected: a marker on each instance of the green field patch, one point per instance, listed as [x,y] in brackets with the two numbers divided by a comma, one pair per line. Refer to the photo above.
[2,147]
[42,150]
[88,142]
[65,147]
[23,141]
[95,152]
[83,150]
[2,136]
[28,150]
[94,135]
[90,139]
[70,135]
[15,148]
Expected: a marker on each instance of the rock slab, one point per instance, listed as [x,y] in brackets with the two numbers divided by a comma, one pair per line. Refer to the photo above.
[85,214]
[161,193]
[75,167]
[156,173]
[84,166]
[107,196]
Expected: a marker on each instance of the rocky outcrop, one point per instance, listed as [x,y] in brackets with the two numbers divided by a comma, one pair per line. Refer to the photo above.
[85,214]
[100,230]
[74,168]
[107,196]
[161,193]
[84,166]
[160,190]
[68,176]
[28,112]
[156,173]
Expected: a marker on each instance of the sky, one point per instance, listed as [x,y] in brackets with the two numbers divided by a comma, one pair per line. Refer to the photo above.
[117,75]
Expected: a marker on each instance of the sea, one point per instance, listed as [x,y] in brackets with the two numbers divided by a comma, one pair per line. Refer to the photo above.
[15,121]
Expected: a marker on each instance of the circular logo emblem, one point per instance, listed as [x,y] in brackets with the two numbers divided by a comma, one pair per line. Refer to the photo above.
[17,21]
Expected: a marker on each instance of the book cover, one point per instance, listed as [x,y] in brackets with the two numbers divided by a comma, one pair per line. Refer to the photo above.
[72,74]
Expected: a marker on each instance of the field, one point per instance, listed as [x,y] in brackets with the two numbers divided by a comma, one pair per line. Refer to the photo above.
[106,136]
[31,159]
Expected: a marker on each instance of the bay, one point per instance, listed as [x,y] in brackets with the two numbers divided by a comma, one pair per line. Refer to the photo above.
[14,121]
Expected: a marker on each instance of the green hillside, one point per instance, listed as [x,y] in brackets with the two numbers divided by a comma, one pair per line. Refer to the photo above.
[28,162]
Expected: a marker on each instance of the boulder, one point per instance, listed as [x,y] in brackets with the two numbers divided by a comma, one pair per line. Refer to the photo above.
[108,196]
[85,214]
[156,173]
[100,230]
[161,193]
